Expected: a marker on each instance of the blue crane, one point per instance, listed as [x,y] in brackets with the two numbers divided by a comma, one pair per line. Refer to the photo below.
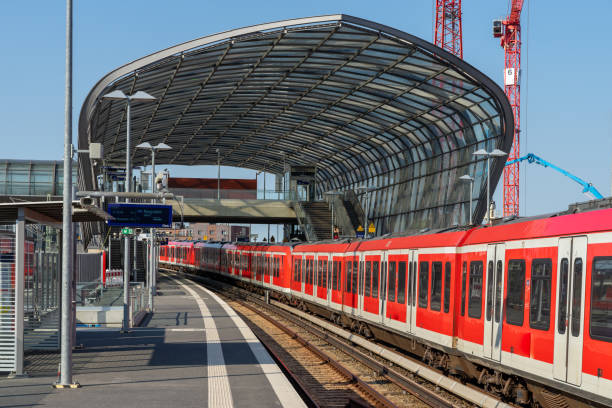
[588,188]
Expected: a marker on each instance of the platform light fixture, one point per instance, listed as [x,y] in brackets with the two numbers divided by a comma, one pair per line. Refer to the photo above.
[366,190]
[159,146]
[467,177]
[218,173]
[138,96]
[333,193]
[152,273]
[493,153]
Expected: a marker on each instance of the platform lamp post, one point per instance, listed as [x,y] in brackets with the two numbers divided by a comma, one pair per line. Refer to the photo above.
[332,194]
[218,173]
[494,153]
[367,191]
[66,322]
[152,257]
[467,177]
[139,96]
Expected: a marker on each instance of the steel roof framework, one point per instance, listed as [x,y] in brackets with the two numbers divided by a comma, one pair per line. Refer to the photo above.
[361,101]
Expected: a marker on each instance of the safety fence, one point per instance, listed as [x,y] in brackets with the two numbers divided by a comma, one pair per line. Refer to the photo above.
[29,292]
[89,267]
[139,302]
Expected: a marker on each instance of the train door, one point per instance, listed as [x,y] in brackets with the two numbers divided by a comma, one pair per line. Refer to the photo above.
[383,287]
[571,275]
[395,309]
[336,281]
[411,310]
[360,294]
[493,301]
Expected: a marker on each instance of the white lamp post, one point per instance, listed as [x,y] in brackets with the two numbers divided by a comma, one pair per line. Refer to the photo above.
[152,275]
[467,177]
[367,191]
[159,146]
[139,96]
[332,198]
[218,173]
[494,153]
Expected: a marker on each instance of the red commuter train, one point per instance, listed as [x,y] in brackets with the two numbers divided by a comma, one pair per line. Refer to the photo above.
[523,307]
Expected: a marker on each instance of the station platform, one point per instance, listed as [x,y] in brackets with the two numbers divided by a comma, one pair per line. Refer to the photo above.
[193,351]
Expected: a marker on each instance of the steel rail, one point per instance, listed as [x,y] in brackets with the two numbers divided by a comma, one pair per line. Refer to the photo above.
[352,377]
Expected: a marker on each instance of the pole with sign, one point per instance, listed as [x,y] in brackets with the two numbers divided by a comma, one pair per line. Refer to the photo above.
[371,228]
[360,232]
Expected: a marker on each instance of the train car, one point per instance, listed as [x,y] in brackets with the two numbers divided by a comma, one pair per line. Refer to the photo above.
[523,307]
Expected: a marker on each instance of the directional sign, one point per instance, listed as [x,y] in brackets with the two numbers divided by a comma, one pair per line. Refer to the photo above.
[360,234]
[371,228]
[140,215]
[127,231]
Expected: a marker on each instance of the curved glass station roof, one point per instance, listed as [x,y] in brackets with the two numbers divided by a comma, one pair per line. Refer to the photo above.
[364,103]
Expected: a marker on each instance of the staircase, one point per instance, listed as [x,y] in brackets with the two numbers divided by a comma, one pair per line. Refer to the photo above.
[41,332]
[319,215]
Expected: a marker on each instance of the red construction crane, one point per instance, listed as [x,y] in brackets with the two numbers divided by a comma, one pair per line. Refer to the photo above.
[448,34]
[509,31]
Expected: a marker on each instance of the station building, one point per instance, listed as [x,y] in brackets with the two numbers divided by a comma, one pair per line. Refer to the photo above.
[332,105]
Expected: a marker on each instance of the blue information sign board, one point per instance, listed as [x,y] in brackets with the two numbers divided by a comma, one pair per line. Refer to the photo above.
[140,215]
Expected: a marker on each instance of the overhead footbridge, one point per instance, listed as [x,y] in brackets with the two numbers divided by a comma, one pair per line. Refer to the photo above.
[361,103]
[234,210]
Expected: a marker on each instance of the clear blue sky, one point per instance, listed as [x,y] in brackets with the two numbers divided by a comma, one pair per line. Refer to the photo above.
[567,55]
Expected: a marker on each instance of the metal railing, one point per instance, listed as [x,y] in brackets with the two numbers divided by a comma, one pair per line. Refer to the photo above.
[304,221]
[139,302]
[198,193]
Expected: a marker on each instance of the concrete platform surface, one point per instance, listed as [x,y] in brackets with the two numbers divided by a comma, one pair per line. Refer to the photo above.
[194,351]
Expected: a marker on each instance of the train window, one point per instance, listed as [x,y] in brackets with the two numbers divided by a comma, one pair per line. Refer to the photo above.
[489,290]
[339,276]
[311,270]
[375,272]
[577,297]
[391,297]
[423,284]
[335,278]
[447,283]
[601,298]
[325,273]
[413,283]
[539,305]
[368,279]
[562,315]
[436,286]
[463,281]
[410,289]
[320,272]
[304,270]
[515,298]
[361,277]
[383,280]
[354,281]
[475,296]
[401,282]
[349,272]
[335,275]
[498,289]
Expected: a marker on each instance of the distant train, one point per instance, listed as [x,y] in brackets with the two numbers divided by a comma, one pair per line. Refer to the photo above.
[523,307]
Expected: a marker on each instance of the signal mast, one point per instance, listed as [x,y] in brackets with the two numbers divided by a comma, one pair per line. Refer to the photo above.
[448,33]
[509,31]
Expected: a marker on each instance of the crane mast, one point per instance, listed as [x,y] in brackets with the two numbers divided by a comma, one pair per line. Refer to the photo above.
[509,32]
[448,33]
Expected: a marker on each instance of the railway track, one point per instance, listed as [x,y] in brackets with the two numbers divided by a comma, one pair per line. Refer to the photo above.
[329,370]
